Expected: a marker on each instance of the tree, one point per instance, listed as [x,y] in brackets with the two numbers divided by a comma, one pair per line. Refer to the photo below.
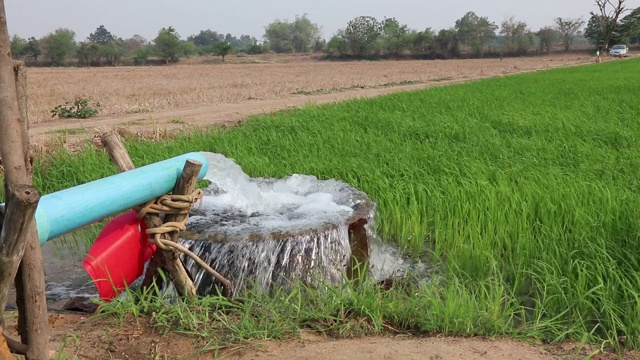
[447,43]
[337,45]
[422,42]
[189,49]
[257,48]
[18,47]
[59,45]
[320,45]
[241,44]
[141,55]
[222,49]
[278,36]
[168,45]
[300,35]
[516,36]
[304,34]
[361,35]
[113,51]
[83,54]
[476,32]
[396,37]
[607,19]
[133,44]
[101,36]
[568,28]
[546,37]
[595,32]
[89,53]
[206,38]
[630,25]
[33,49]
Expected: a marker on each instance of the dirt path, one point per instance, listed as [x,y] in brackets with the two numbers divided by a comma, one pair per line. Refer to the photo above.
[218,115]
[407,348]
[83,337]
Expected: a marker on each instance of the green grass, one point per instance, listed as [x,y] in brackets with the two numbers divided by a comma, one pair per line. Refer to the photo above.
[341,312]
[67,131]
[525,187]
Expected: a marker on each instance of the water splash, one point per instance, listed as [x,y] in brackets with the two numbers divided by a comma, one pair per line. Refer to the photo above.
[260,232]
[238,205]
[265,232]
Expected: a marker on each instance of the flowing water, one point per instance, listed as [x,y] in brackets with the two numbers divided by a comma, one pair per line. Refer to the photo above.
[259,233]
[272,232]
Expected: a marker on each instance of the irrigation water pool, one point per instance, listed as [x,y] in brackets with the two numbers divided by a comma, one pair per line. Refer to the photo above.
[265,232]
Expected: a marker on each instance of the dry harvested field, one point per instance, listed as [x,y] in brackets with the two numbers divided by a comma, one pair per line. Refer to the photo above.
[214,93]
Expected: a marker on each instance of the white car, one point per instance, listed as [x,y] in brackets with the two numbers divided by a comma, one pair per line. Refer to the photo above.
[618,51]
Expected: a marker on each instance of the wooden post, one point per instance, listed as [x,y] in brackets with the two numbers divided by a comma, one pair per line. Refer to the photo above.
[20,75]
[176,271]
[186,185]
[16,165]
[22,201]
[116,151]
[30,284]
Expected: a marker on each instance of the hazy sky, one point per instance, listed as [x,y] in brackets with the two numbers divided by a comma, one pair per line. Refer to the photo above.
[145,17]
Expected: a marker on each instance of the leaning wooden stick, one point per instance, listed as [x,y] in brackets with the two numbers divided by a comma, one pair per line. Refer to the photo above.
[116,151]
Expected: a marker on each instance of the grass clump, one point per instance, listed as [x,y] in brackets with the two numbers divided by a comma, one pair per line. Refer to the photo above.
[525,187]
[80,108]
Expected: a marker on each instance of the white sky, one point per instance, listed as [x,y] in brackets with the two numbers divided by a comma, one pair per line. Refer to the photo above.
[145,17]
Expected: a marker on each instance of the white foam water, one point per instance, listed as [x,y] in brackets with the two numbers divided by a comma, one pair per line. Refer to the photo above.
[239,204]
[264,232]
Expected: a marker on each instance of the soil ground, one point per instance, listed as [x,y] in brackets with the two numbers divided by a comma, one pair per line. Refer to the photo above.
[77,336]
[84,337]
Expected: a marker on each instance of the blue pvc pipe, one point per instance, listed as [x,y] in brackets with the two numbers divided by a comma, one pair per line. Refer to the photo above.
[66,210]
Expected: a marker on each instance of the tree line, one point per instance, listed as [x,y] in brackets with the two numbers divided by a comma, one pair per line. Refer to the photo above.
[362,37]
[103,48]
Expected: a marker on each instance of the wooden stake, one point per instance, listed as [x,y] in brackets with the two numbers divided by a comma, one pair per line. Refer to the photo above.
[30,285]
[21,206]
[186,185]
[20,75]
[117,152]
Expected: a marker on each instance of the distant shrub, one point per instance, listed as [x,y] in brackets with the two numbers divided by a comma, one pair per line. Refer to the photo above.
[78,109]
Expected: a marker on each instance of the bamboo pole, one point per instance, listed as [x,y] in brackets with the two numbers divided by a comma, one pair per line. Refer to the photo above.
[16,165]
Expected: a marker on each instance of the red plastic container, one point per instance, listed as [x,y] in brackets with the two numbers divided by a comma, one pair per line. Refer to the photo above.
[118,256]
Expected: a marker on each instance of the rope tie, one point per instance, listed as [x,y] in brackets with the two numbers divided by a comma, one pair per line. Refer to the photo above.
[176,205]
[171,204]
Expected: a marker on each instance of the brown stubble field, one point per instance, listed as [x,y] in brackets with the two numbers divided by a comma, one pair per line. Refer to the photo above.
[148,90]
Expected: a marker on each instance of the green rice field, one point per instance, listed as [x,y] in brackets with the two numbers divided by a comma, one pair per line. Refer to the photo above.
[526,188]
